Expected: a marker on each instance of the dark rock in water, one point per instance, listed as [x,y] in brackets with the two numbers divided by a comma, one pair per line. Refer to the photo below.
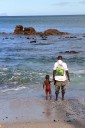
[28,38]
[72,37]
[6,38]
[12,38]
[34,41]
[44,37]
[3,33]
[71,52]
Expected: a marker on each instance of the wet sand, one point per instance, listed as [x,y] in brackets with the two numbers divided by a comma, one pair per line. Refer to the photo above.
[36,113]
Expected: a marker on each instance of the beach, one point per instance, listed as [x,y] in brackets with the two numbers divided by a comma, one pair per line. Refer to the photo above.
[36,113]
[45,125]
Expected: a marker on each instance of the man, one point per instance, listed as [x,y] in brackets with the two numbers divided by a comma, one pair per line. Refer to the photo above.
[60,75]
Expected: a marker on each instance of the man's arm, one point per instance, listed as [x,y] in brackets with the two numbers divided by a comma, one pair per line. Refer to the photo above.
[54,73]
[67,73]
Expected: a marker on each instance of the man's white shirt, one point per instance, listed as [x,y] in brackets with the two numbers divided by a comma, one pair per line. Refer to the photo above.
[63,66]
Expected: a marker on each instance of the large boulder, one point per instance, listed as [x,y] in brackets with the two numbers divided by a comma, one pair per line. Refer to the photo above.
[54,32]
[18,29]
[29,31]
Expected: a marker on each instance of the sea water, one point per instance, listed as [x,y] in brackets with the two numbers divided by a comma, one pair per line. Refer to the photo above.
[24,63]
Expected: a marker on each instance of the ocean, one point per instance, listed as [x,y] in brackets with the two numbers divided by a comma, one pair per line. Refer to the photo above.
[24,63]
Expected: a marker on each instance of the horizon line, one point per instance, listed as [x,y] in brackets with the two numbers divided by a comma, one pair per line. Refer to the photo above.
[42,15]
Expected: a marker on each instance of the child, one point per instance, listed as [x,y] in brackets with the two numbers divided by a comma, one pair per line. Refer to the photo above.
[47,87]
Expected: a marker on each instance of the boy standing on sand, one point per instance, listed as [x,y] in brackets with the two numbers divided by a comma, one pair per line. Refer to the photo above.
[47,87]
[60,75]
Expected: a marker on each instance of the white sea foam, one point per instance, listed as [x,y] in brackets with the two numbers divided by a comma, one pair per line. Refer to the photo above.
[17,73]
[3,69]
[13,89]
[77,71]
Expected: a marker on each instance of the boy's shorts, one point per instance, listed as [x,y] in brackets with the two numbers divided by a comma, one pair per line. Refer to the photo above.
[60,84]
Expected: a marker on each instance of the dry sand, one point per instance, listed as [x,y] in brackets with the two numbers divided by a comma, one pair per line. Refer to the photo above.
[38,113]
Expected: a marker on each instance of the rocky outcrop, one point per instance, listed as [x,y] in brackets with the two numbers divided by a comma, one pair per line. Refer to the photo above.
[29,31]
[54,32]
[19,29]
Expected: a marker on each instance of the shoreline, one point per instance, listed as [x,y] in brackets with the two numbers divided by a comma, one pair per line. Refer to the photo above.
[36,113]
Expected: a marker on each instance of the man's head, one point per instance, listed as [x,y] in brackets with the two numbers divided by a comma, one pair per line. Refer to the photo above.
[59,58]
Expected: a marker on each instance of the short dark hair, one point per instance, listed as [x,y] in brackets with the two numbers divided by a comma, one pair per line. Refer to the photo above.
[47,77]
[60,58]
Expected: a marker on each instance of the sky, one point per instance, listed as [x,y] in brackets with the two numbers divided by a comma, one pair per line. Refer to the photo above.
[41,7]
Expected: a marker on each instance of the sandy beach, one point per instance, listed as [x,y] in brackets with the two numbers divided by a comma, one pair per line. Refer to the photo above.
[44,124]
[36,113]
